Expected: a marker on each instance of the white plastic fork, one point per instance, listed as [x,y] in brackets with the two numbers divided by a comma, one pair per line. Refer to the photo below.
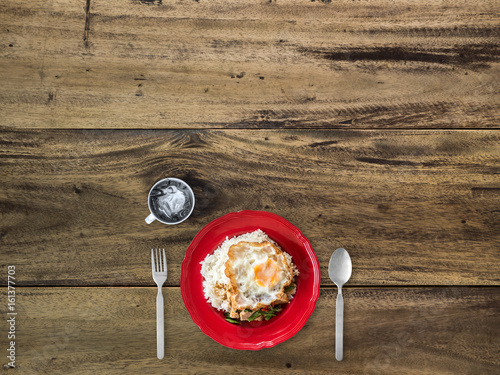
[159,276]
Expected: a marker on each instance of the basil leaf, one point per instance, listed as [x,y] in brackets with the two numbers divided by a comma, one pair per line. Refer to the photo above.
[289,288]
[255,315]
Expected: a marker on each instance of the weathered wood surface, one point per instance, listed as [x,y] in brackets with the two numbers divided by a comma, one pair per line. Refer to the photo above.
[252,64]
[387,330]
[412,207]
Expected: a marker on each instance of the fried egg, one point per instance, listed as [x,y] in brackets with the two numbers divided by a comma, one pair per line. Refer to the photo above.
[259,273]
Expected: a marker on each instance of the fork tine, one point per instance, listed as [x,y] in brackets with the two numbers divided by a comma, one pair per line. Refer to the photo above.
[157,264]
[152,261]
[161,262]
[164,262]
[160,267]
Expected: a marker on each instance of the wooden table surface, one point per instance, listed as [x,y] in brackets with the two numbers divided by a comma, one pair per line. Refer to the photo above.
[370,125]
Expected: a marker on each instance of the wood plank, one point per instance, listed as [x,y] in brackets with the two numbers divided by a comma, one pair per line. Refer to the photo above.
[32,36]
[412,207]
[396,330]
[261,64]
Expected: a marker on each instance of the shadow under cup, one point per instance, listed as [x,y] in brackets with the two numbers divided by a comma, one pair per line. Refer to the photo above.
[170,201]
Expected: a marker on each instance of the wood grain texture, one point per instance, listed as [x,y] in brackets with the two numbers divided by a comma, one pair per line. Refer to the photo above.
[412,207]
[371,125]
[387,330]
[256,64]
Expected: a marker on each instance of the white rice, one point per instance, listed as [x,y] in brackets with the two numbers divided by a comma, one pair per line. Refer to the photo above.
[213,267]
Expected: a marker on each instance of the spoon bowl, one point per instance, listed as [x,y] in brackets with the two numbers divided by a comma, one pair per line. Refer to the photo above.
[340,267]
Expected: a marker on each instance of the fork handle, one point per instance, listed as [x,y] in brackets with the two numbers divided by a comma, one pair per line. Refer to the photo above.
[160,343]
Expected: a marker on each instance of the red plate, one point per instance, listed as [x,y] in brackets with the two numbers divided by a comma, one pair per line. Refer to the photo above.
[254,335]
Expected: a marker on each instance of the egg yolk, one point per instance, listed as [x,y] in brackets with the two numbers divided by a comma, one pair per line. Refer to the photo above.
[267,273]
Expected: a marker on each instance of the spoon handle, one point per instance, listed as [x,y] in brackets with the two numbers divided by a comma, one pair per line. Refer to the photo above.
[339,327]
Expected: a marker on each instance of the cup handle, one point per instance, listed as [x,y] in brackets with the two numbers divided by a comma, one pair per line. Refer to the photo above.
[150,219]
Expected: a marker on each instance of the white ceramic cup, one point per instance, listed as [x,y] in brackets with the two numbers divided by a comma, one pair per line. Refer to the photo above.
[170,201]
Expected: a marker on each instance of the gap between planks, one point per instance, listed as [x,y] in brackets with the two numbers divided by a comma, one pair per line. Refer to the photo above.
[321,287]
[392,129]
